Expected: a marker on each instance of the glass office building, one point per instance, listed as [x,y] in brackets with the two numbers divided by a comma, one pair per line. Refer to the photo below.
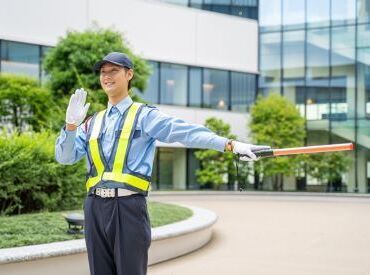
[241,8]
[317,54]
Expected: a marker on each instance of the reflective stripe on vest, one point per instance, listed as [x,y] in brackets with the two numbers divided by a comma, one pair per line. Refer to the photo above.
[116,174]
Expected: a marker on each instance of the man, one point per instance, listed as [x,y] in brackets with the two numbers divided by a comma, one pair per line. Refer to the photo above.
[119,143]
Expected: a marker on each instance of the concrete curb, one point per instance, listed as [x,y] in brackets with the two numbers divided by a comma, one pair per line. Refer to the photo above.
[168,241]
[258,193]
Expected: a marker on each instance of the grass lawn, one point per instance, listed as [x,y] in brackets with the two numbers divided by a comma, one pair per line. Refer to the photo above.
[49,227]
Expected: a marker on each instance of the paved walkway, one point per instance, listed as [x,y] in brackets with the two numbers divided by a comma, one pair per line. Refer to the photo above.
[258,234]
[279,235]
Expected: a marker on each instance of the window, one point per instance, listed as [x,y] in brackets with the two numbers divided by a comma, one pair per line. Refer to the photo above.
[245,8]
[270,62]
[173,84]
[318,13]
[222,6]
[20,58]
[195,87]
[215,89]
[293,14]
[363,10]
[151,93]
[243,88]
[293,54]
[192,165]
[318,52]
[196,4]
[166,164]
[343,12]
[269,15]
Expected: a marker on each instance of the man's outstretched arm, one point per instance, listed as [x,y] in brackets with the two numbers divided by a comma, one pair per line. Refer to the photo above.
[169,129]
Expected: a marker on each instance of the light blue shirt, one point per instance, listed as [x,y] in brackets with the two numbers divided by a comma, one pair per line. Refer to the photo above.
[152,125]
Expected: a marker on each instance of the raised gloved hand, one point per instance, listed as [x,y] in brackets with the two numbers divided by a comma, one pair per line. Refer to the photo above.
[247,150]
[77,110]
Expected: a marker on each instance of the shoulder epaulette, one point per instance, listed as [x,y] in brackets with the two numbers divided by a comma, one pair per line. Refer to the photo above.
[150,106]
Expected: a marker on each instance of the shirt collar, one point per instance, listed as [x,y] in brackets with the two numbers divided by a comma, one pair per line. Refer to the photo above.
[121,106]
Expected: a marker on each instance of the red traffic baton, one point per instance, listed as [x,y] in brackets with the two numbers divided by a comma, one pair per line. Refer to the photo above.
[304,150]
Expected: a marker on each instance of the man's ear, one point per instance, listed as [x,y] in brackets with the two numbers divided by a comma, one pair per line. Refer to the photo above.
[130,74]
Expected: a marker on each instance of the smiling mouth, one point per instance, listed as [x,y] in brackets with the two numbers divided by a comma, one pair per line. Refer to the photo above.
[109,84]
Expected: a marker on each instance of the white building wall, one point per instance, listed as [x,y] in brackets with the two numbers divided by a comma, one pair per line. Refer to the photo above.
[157,31]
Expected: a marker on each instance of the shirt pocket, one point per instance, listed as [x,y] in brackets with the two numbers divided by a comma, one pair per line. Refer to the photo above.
[137,133]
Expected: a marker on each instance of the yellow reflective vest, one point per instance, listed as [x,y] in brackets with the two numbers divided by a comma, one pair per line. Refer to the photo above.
[119,173]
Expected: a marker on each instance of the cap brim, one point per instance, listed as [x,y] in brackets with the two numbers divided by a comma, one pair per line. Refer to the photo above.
[100,63]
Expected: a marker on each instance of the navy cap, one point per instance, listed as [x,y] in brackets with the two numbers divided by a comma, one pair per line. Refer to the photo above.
[119,59]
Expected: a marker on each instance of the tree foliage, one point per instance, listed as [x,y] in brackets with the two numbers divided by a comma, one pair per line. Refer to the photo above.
[70,63]
[24,105]
[276,122]
[216,166]
[328,168]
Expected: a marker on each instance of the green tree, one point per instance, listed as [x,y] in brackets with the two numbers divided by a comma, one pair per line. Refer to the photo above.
[328,168]
[216,167]
[276,122]
[70,63]
[24,105]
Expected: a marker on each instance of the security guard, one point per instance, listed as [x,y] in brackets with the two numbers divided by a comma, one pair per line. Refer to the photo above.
[119,143]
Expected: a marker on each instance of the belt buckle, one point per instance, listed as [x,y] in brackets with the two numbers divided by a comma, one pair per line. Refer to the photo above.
[105,192]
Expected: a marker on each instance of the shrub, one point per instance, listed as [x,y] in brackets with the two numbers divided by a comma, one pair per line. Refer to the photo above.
[31,179]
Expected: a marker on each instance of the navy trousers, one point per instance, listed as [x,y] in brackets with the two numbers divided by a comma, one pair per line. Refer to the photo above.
[118,235]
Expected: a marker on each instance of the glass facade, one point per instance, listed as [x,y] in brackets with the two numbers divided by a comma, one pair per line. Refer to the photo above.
[240,83]
[175,168]
[173,83]
[316,53]
[22,58]
[170,84]
[241,8]
[195,87]
[216,89]
[165,158]
[181,85]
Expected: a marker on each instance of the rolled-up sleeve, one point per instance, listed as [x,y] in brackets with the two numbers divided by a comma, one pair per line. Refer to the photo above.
[170,129]
[70,146]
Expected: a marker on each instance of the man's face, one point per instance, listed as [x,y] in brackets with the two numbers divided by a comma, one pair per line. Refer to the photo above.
[114,79]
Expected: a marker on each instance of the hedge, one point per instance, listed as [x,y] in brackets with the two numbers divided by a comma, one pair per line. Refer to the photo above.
[30,178]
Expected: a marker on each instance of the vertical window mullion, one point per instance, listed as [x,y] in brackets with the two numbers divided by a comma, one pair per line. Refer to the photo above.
[159,83]
[229,106]
[201,88]
[188,86]
[356,104]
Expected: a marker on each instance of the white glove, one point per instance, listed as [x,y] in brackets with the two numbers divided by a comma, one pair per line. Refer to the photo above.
[77,110]
[247,149]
